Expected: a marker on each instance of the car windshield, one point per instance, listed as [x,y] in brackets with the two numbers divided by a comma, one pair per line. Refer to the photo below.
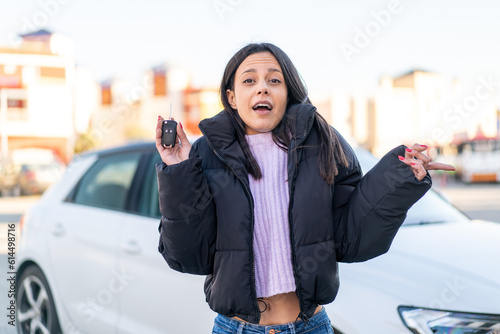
[431,208]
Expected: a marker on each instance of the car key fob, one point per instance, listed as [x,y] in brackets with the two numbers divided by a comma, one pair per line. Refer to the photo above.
[168,133]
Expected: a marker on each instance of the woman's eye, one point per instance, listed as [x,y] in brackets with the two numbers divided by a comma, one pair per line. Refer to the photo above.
[275,80]
[248,81]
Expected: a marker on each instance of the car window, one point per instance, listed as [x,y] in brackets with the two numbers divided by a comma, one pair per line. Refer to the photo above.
[107,182]
[431,208]
[149,204]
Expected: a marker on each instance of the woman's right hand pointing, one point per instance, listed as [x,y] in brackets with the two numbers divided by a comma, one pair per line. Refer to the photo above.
[179,152]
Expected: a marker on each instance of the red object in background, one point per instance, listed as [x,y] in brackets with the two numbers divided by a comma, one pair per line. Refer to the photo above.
[479,134]
[160,83]
[106,95]
[30,175]
[10,79]
[9,82]
[16,103]
[191,98]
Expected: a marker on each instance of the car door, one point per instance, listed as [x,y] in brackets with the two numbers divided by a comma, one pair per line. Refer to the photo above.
[84,243]
[158,299]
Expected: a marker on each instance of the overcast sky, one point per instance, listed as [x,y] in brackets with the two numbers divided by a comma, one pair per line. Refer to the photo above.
[351,43]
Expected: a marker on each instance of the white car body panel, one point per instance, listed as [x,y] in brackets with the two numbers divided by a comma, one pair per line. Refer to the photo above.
[87,285]
[444,265]
[155,294]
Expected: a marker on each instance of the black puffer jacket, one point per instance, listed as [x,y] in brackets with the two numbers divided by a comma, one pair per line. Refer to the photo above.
[207,215]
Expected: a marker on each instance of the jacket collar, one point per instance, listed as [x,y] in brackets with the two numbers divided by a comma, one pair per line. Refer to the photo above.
[303,114]
[220,132]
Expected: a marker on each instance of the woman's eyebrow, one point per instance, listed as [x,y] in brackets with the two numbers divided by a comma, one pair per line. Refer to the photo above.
[271,69]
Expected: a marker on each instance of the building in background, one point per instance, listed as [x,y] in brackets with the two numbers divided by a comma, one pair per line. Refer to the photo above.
[36,82]
[128,110]
[48,102]
[200,103]
[38,85]
[418,106]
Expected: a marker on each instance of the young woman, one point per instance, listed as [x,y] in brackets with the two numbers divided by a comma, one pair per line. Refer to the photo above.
[271,197]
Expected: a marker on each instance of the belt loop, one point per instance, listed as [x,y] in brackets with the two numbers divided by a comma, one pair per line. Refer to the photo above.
[241,327]
[292,328]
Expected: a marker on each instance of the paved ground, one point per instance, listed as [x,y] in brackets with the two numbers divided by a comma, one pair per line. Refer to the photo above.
[478,201]
[11,209]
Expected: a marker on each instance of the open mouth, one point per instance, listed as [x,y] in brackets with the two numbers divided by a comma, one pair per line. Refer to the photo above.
[262,106]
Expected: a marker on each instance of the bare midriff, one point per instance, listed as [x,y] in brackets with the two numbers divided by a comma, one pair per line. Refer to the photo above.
[279,309]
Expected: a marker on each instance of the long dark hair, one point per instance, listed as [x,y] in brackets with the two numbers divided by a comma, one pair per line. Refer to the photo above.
[331,152]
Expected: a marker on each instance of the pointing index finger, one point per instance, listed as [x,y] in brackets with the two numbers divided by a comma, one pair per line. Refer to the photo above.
[440,166]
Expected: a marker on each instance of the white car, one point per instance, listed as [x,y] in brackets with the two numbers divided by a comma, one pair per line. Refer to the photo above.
[88,262]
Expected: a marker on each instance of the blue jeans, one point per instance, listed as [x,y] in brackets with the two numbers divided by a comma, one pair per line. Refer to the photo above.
[318,324]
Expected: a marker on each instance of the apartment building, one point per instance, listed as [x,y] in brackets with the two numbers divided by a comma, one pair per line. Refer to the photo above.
[128,110]
[419,106]
[36,94]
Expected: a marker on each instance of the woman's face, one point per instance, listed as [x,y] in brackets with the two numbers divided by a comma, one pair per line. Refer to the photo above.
[260,93]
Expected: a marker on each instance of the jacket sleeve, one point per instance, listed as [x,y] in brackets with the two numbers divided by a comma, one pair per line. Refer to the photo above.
[369,210]
[188,224]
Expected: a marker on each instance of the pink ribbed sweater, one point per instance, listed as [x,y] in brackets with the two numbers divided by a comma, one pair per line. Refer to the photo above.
[271,243]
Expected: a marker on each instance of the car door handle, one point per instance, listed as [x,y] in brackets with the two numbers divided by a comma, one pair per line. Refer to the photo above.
[131,247]
[58,229]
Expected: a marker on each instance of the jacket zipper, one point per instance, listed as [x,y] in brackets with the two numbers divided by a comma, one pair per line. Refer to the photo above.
[294,259]
[249,195]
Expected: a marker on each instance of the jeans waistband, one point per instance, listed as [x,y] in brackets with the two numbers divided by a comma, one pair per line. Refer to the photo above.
[239,327]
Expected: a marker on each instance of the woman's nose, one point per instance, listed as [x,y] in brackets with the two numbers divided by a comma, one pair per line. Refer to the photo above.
[262,89]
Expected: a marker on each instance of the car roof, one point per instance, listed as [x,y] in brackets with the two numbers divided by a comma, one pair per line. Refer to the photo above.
[132,146]
[128,147]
